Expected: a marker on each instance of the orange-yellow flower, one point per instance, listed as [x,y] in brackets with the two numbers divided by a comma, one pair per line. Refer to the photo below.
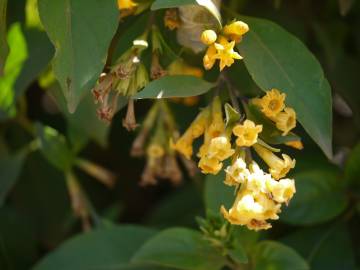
[286,120]
[225,53]
[210,57]
[236,30]
[272,103]
[247,133]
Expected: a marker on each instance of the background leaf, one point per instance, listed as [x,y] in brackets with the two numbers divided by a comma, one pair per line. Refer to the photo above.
[320,196]
[4,50]
[105,248]
[277,59]
[81,41]
[352,166]
[175,86]
[273,255]
[180,248]
[320,246]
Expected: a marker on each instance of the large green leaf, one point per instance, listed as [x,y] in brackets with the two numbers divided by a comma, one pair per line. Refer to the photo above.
[10,169]
[320,246]
[107,248]
[175,86]
[81,32]
[352,167]
[277,59]
[275,256]
[54,147]
[208,4]
[13,66]
[320,196]
[4,50]
[181,249]
[217,193]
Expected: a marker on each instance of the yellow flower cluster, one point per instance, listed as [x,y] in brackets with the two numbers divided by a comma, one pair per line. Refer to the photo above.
[273,106]
[221,47]
[259,197]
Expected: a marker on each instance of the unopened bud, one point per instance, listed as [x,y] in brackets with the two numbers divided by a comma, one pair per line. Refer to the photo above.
[208,37]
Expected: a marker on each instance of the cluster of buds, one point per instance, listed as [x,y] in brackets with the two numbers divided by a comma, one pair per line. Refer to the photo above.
[125,78]
[259,194]
[154,140]
[221,45]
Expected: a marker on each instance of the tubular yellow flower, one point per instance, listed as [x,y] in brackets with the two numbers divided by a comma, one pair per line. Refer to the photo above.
[209,57]
[184,145]
[247,133]
[220,148]
[171,19]
[237,173]
[295,144]
[180,67]
[278,167]
[283,190]
[236,30]
[286,120]
[155,151]
[210,165]
[126,4]
[225,53]
[208,37]
[272,103]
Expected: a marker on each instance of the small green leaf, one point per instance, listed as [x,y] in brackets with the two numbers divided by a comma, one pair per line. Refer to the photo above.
[217,193]
[352,167]
[4,50]
[10,169]
[54,148]
[270,134]
[320,246]
[277,59]
[273,255]
[175,86]
[208,4]
[81,41]
[232,116]
[13,66]
[181,249]
[320,196]
[107,248]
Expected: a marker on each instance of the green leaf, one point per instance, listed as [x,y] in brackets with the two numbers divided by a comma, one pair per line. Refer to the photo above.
[4,50]
[10,169]
[54,148]
[277,59]
[352,166]
[40,52]
[81,41]
[217,193]
[270,133]
[175,86]
[320,196]
[276,256]
[107,248]
[208,4]
[320,246]
[238,255]
[13,66]
[181,249]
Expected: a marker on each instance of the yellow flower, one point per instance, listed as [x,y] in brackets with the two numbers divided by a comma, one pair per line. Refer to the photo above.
[236,30]
[180,67]
[171,19]
[247,133]
[126,4]
[208,37]
[195,130]
[155,151]
[209,57]
[225,53]
[237,173]
[191,101]
[278,167]
[220,148]
[251,211]
[286,120]
[283,190]
[217,125]
[209,165]
[295,144]
[272,103]
[127,7]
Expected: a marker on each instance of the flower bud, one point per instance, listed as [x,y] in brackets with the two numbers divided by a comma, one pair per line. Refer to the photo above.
[208,37]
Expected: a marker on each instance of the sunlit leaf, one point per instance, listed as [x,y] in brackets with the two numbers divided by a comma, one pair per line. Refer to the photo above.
[4,50]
